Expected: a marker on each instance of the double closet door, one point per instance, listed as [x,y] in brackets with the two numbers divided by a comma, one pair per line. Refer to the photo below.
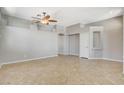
[74,44]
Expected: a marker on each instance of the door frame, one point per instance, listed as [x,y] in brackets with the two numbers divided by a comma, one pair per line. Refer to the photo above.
[94,29]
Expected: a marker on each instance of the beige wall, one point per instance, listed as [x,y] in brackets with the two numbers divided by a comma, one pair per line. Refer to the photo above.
[112,39]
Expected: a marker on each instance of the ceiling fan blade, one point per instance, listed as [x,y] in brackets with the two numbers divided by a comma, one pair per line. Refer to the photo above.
[52,20]
[36,18]
[35,21]
[46,17]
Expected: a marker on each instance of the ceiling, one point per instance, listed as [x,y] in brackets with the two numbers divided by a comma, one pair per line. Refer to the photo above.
[67,16]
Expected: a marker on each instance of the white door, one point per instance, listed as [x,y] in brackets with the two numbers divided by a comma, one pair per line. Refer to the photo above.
[84,44]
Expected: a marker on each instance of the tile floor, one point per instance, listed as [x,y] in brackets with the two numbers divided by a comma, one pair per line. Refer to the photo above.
[63,70]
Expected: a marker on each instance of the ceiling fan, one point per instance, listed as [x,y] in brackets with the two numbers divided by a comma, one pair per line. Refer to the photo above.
[46,19]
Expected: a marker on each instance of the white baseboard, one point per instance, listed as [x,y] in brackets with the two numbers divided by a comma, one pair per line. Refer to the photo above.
[18,61]
[108,59]
[95,58]
[112,59]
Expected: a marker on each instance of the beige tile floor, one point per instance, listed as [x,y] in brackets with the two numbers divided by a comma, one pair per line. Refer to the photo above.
[63,70]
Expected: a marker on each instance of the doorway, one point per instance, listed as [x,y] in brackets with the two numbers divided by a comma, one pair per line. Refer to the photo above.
[61,44]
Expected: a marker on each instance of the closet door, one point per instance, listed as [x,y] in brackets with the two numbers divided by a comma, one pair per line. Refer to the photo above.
[71,44]
[77,47]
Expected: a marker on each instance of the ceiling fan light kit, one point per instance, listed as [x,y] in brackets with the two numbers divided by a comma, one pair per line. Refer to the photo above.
[44,22]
